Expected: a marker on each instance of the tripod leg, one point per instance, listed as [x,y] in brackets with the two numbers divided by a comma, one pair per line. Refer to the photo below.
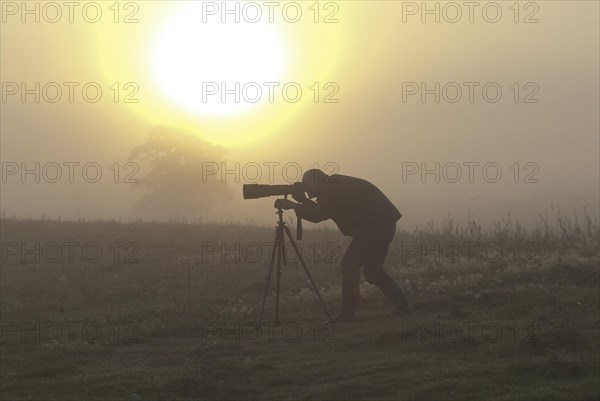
[280,255]
[287,230]
[282,259]
[268,278]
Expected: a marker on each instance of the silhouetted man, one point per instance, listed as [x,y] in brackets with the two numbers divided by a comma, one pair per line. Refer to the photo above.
[364,213]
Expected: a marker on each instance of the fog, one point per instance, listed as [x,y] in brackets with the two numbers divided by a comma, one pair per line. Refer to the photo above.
[460,148]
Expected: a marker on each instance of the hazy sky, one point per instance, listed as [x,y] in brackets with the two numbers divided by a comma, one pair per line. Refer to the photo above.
[373,64]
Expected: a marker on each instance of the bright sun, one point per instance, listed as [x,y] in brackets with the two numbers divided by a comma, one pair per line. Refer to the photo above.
[216,68]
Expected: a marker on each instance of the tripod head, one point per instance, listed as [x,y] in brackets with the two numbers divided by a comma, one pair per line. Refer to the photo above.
[280,206]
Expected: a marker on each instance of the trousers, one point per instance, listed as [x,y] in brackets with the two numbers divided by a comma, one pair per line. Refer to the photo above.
[368,249]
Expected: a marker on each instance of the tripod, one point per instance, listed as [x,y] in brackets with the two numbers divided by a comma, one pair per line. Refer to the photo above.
[279,248]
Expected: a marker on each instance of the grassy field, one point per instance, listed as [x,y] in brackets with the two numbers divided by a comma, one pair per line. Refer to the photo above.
[167,311]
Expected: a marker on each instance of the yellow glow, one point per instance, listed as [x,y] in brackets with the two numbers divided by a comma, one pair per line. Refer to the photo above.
[211,67]
[168,72]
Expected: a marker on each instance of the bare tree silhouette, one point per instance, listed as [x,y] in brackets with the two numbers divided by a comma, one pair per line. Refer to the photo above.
[175,185]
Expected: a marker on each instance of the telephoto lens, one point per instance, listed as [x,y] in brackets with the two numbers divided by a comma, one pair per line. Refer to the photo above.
[256,191]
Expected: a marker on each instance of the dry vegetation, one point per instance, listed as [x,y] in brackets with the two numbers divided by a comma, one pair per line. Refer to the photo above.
[501,312]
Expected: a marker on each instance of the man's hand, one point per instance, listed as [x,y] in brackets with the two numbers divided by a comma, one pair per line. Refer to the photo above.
[285,204]
[299,192]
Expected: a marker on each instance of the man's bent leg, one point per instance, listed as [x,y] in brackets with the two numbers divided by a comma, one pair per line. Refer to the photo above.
[350,288]
[351,264]
[375,274]
[392,291]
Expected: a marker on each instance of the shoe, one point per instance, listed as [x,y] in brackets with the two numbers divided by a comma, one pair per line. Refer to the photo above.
[401,310]
[343,317]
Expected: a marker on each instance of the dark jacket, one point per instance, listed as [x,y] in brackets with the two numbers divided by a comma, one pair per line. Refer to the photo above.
[352,203]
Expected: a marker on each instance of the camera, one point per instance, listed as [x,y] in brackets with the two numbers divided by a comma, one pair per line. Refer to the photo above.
[256,191]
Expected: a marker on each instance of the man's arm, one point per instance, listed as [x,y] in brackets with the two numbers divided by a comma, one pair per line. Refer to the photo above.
[308,210]
[311,211]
